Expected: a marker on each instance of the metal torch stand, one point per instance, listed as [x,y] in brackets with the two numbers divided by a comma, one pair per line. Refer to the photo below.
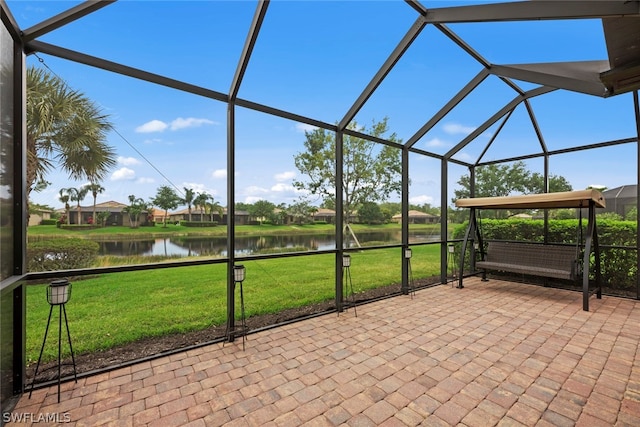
[412,289]
[451,262]
[62,310]
[347,288]
[242,329]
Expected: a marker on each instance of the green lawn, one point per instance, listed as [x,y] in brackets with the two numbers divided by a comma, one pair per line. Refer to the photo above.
[171,229]
[113,309]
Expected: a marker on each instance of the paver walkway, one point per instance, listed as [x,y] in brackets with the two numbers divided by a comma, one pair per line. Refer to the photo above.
[493,353]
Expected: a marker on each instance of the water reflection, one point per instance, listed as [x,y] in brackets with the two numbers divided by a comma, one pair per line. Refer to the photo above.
[248,245]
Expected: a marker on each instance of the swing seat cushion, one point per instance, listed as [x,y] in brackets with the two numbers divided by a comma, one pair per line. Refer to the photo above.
[530,258]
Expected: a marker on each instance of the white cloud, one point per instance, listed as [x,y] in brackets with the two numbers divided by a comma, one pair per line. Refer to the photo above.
[436,142]
[252,199]
[177,124]
[128,161]
[421,200]
[152,126]
[199,188]
[303,127]
[152,140]
[190,122]
[285,176]
[456,128]
[254,190]
[123,174]
[280,188]
[465,157]
[219,174]
[145,180]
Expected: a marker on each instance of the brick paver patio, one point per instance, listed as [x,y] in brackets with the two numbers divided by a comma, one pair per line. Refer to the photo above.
[493,353]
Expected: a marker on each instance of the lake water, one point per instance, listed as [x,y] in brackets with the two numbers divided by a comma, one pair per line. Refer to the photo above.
[247,245]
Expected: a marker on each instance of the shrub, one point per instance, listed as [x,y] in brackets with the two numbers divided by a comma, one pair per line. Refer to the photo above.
[610,232]
[610,215]
[618,262]
[61,254]
[185,223]
[49,222]
[632,215]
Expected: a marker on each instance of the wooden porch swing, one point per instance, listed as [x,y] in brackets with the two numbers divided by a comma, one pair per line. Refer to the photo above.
[546,260]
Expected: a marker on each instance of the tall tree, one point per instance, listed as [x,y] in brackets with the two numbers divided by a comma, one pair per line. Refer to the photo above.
[301,211]
[77,195]
[495,180]
[557,183]
[64,129]
[503,180]
[189,195]
[261,209]
[370,213]
[135,208]
[371,172]
[200,203]
[214,207]
[64,198]
[166,198]
[241,206]
[102,218]
[281,214]
[95,189]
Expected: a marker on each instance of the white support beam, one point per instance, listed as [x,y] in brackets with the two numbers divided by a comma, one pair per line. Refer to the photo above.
[533,11]
[582,76]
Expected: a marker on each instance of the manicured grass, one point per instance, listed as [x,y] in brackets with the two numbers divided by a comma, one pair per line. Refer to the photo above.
[109,310]
[115,232]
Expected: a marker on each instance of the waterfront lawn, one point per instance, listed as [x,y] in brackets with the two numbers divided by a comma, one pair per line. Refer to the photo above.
[114,232]
[110,310]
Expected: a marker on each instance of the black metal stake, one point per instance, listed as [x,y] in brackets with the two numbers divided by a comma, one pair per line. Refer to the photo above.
[46,333]
[61,310]
[452,265]
[346,275]
[231,330]
[412,289]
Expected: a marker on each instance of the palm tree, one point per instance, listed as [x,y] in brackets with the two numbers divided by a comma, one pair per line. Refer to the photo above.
[64,198]
[135,208]
[78,195]
[189,195]
[102,218]
[200,201]
[148,208]
[214,207]
[95,189]
[65,129]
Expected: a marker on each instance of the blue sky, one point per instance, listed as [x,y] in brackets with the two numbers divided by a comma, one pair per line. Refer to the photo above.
[314,59]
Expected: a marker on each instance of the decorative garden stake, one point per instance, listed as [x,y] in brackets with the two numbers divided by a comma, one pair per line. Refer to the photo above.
[58,294]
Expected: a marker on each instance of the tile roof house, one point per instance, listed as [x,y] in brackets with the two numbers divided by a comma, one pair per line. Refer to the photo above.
[417,217]
[115,209]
